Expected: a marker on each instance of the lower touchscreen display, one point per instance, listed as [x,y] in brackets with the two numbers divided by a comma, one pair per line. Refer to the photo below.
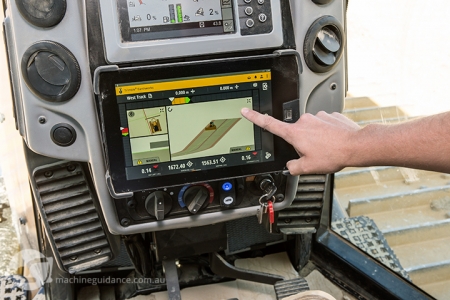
[193,124]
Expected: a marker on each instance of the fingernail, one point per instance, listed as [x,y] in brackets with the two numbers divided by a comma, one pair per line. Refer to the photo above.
[245,110]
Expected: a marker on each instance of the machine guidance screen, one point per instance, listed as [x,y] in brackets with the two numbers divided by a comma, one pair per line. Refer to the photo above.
[192,124]
[143,20]
[175,124]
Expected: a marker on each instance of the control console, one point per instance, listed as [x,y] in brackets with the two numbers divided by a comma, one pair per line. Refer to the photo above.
[144,98]
[177,145]
[191,201]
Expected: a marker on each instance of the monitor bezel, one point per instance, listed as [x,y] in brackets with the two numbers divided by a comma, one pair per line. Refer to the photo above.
[126,28]
[285,87]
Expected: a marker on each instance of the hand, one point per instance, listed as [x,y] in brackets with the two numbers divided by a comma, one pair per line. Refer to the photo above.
[323,141]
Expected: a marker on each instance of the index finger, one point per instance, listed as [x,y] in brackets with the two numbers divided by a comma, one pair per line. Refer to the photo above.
[266,122]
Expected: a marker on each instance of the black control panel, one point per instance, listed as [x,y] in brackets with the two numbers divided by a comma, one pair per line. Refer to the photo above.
[255,17]
[195,199]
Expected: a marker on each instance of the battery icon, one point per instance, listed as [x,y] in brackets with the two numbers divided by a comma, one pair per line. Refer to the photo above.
[172,13]
[179,13]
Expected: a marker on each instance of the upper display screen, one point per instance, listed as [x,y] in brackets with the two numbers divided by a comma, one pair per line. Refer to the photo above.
[143,20]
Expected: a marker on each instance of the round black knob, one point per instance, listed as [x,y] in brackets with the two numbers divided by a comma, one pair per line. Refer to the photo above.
[63,135]
[43,13]
[158,204]
[51,71]
[195,198]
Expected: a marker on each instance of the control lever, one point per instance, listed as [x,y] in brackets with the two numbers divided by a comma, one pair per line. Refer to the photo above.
[137,251]
[221,267]
[172,282]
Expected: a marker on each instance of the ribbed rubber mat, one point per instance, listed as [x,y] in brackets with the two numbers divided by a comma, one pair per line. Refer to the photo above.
[286,288]
[72,222]
[304,212]
[122,259]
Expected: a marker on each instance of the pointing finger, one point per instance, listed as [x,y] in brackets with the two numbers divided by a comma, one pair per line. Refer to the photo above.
[266,122]
[295,166]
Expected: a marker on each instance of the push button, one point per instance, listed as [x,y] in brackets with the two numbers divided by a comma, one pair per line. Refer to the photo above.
[227,186]
[228,200]
[250,23]
[63,135]
[247,1]
[227,194]
[260,2]
[262,18]
[248,11]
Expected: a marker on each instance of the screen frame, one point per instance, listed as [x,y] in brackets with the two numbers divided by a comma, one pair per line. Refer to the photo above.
[126,28]
[285,88]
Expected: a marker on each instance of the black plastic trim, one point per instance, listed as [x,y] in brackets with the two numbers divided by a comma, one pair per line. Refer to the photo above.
[346,265]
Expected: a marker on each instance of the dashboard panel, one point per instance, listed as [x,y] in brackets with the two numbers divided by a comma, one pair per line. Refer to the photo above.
[141,29]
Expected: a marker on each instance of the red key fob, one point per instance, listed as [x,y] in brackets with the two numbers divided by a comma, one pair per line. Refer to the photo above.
[271,212]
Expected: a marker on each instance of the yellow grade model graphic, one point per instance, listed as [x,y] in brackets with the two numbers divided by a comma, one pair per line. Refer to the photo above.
[209,136]
[195,130]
